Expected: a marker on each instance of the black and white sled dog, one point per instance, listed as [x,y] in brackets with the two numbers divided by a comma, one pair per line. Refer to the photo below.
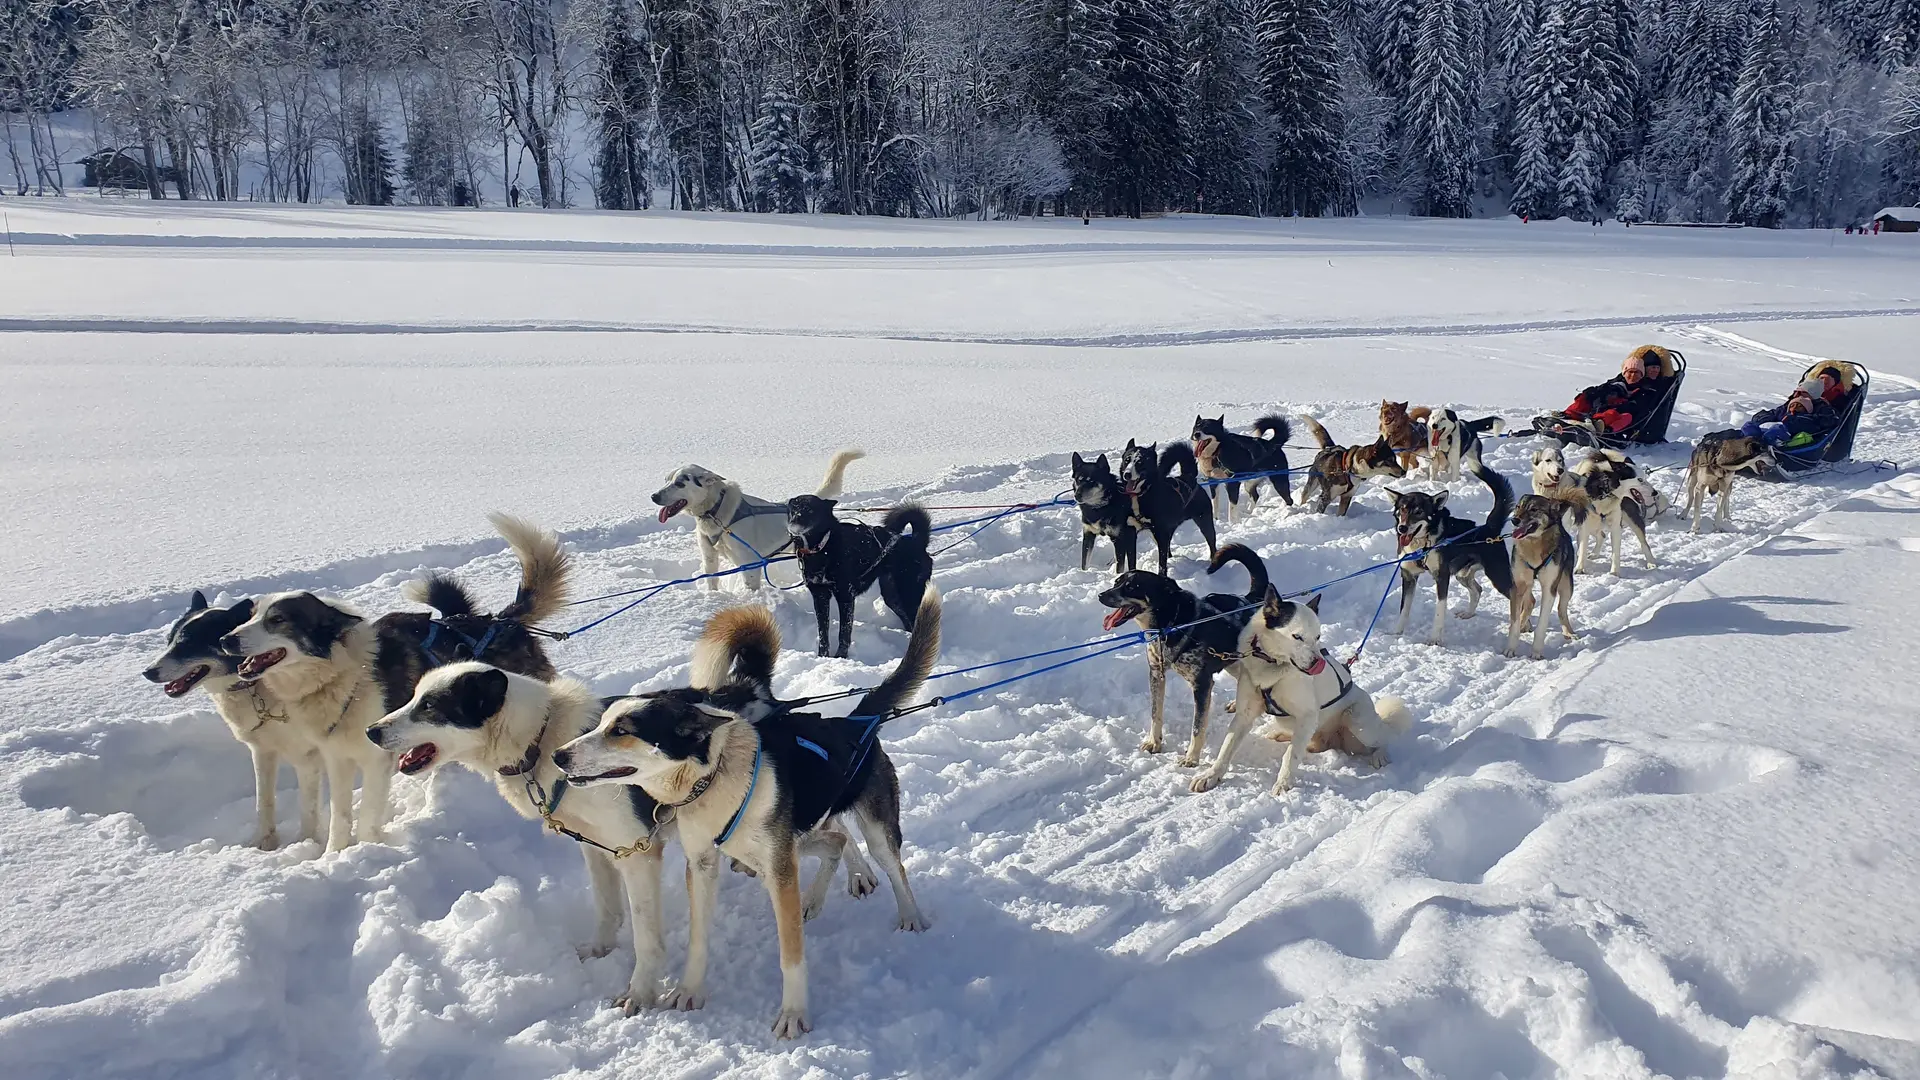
[1223,454]
[1198,650]
[332,673]
[1451,440]
[841,560]
[193,657]
[1159,501]
[1337,470]
[727,519]
[1542,553]
[756,782]
[1104,511]
[1451,547]
[1308,693]
[1616,492]
[1717,460]
[506,727]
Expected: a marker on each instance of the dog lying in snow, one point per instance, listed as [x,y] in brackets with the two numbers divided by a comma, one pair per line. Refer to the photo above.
[1309,693]
[332,673]
[727,519]
[758,783]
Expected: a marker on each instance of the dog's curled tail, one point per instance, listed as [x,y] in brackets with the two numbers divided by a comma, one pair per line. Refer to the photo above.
[1273,427]
[1319,433]
[909,517]
[1502,492]
[1488,425]
[907,677]
[442,594]
[1420,412]
[1393,713]
[1245,556]
[543,569]
[1181,455]
[738,643]
[830,487]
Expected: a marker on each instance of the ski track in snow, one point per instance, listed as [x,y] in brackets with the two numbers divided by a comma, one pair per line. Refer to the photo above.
[1082,900]
[1116,341]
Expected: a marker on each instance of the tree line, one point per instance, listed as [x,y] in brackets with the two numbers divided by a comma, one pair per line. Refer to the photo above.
[1760,112]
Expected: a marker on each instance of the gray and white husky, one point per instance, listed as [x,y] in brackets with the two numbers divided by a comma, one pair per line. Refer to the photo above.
[727,519]
[1308,692]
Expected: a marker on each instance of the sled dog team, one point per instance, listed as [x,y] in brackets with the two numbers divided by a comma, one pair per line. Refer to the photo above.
[729,769]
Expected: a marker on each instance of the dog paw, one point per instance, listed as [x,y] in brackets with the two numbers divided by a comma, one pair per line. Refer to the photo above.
[742,868]
[791,1024]
[1203,782]
[1378,759]
[1151,746]
[915,923]
[1188,761]
[633,1001]
[1464,613]
[684,999]
[593,951]
[1282,786]
[812,908]
[267,841]
[1231,704]
[861,884]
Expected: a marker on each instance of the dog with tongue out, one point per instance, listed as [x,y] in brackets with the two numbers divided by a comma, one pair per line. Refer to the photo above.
[506,727]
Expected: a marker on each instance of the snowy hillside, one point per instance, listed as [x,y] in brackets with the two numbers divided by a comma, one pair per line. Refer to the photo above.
[1678,846]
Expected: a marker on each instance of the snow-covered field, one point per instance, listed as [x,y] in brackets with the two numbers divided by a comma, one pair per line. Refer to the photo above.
[1679,847]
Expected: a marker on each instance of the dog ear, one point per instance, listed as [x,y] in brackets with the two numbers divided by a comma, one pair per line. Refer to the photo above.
[480,695]
[1101,461]
[198,603]
[715,711]
[1130,444]
[1313,605]
[242,610]
[1440,500]
[1078,461]
[1272,603]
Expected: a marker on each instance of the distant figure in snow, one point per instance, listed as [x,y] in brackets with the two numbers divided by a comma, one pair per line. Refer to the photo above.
[513,195]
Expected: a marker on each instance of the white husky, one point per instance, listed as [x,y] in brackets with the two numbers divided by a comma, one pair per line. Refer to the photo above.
[728,519]
[1308,692]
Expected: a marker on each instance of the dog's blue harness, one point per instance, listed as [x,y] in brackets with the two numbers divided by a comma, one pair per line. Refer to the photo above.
[474,647]
[752,781]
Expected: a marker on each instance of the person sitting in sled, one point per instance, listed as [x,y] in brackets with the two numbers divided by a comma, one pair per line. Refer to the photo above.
[1622,401]
[1801,421]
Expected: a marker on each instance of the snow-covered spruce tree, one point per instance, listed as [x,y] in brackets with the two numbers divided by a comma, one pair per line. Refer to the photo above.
[369,165]
[621,101]
[1439,110]
[782,171]
[1142,109]
[1300,79]
[1686,146]
[1220,106]
[1601,98]
[1544,120]
[1761,127]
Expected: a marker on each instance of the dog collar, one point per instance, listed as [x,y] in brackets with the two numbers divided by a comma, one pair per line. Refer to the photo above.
[530,759]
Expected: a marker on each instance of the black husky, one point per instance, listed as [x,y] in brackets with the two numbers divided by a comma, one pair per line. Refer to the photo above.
[1104,511]
[1197,650]
[1158,501]
[1223,454]
[842,559]
[1453,547]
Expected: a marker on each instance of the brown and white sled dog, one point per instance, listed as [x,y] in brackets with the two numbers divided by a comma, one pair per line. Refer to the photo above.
[1405,429]
[1306,691]
[1337,470]
[193,657]
[1451,439]
[506,727]
[1616,494]
[1717,460]
[727,519]
[1542,553]
[753,780]
[333,673]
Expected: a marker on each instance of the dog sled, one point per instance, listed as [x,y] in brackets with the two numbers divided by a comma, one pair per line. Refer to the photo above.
[1645,430]
[1837,444]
